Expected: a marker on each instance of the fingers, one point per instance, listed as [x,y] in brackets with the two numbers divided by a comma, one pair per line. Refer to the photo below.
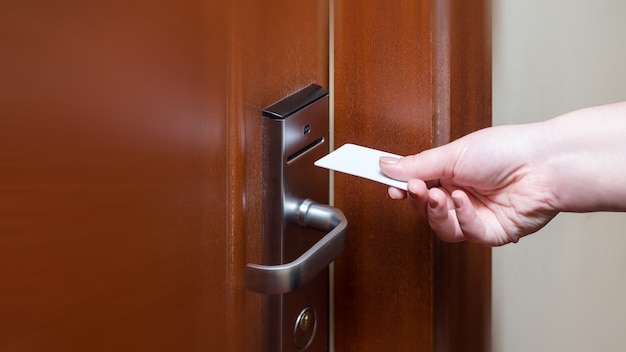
[427,165]
[418,196]
[442,217]
[472,227]
[434,204]
[396,193]
[452,216]
[401,169]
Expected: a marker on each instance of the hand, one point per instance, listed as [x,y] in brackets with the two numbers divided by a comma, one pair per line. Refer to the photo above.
[491,187]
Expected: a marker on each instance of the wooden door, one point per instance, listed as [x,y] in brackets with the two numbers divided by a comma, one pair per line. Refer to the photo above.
[409,76]
[130,162]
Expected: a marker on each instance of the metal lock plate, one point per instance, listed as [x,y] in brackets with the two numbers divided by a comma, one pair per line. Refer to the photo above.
[296,252]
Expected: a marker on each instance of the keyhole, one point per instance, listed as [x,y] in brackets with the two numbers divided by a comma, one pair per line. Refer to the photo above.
[305,321]
[304,328]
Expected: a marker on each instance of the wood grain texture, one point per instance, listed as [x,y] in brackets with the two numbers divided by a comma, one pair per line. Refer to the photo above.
[130,167]
[408,76]
[383,99]
[463,101]
[112,177]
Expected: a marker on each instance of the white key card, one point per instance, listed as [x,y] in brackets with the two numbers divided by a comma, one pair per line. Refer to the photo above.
[359,161]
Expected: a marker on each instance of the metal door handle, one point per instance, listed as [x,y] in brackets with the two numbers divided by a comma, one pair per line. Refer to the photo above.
[289,277]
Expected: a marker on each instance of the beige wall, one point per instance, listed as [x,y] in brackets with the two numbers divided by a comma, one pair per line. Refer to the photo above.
[564,288]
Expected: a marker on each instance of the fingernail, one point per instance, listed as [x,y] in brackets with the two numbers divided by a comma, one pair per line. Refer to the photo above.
[388,160]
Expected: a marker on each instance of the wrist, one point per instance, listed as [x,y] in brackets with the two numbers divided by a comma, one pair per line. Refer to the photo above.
[585,154]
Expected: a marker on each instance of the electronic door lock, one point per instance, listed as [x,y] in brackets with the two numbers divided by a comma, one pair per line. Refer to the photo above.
[301,234]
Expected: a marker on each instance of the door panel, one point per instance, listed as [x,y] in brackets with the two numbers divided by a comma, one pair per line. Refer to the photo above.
[383,99]
[112,126]
[112,177]
[129,167]
[408,76]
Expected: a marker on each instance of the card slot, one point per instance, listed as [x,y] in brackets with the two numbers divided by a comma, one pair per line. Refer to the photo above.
[302,151]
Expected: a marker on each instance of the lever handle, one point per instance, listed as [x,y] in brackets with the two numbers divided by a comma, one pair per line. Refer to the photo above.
[289,277]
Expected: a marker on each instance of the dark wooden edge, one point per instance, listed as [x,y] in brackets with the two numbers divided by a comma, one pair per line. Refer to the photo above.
[462,104]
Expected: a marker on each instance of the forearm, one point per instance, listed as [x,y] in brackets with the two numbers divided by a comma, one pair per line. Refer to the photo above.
[586,158]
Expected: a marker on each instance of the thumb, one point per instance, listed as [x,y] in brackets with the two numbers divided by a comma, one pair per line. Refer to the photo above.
[428,165]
